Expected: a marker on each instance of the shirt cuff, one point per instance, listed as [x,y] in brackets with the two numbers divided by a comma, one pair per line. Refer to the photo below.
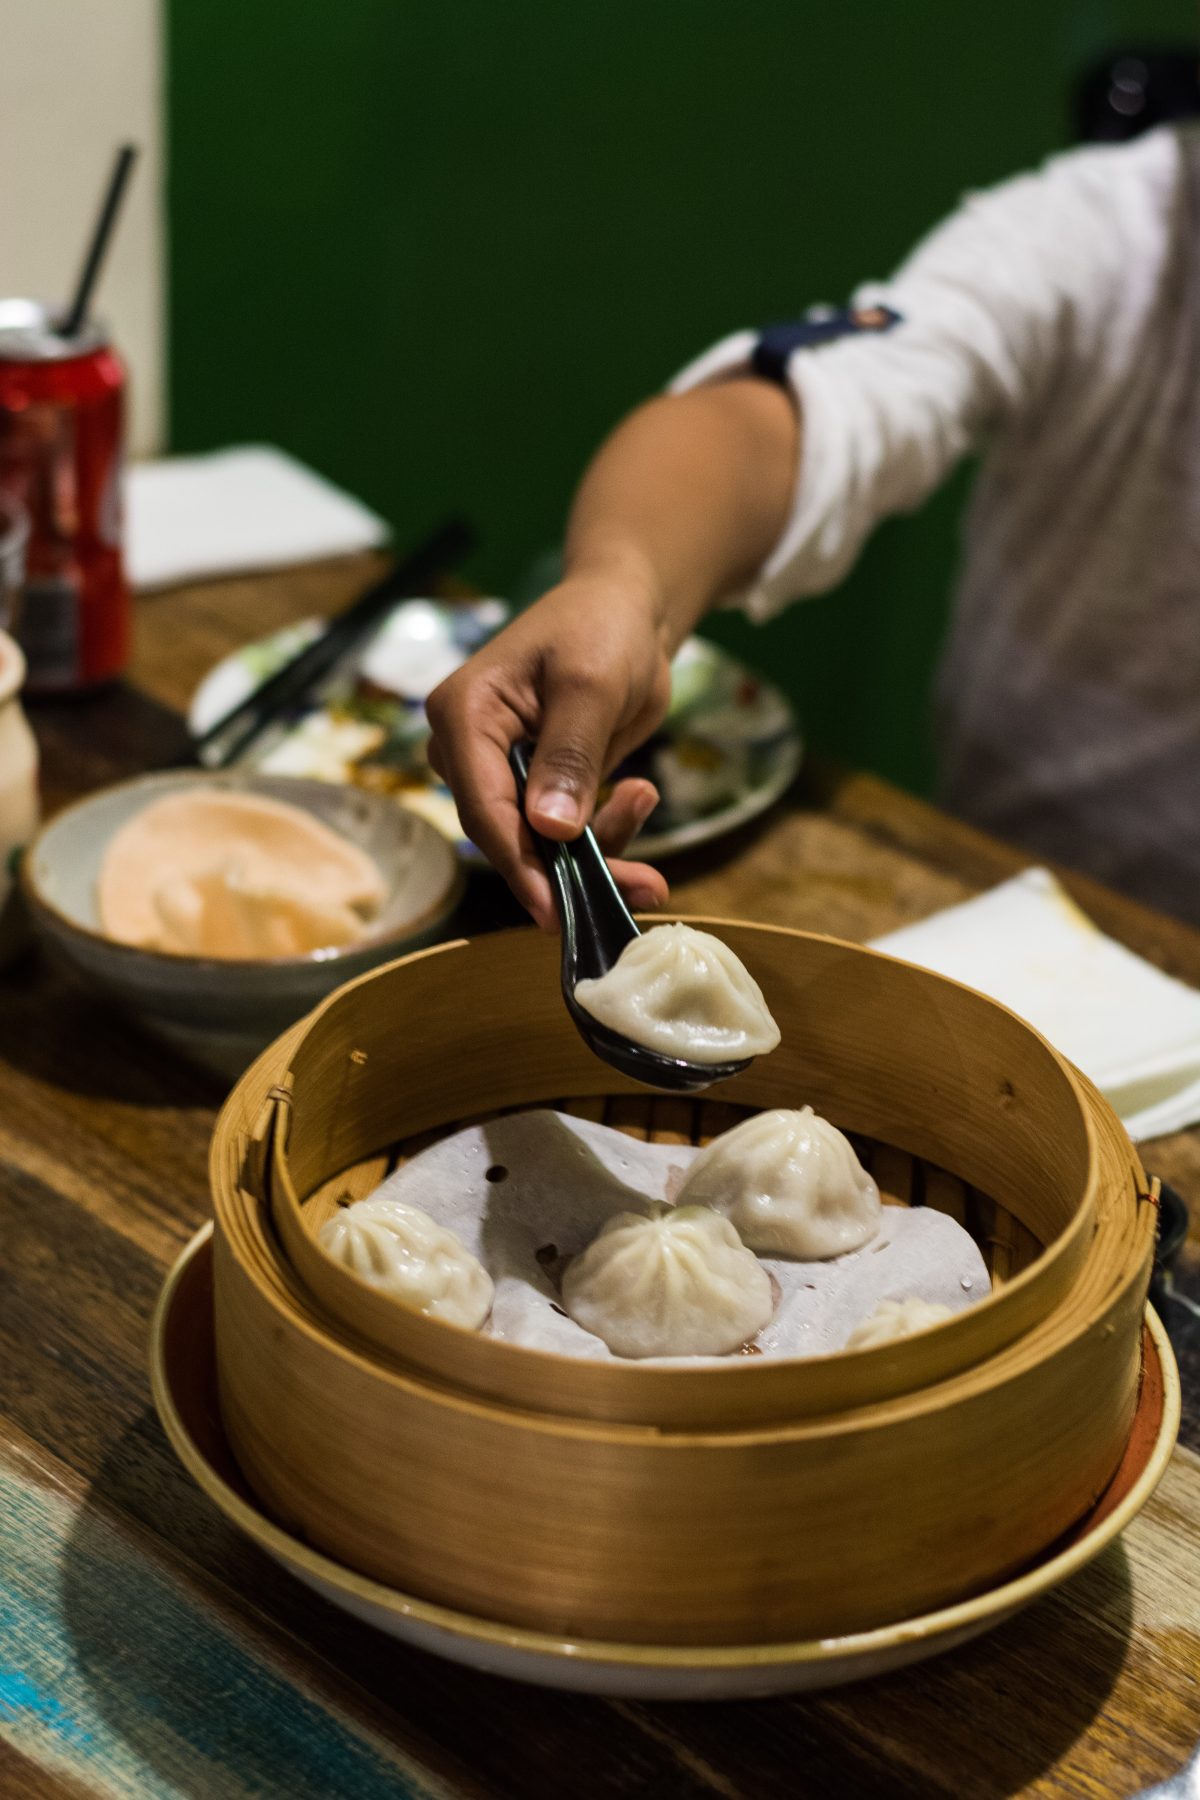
[796,566]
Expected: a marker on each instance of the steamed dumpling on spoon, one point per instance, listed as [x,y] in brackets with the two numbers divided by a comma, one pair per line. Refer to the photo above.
[684,993]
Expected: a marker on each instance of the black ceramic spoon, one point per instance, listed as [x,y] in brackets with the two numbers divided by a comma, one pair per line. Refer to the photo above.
[596,926]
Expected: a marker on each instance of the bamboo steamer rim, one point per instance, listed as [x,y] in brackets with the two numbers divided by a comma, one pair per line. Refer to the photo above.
[999,1601]
[636,1393]
[295,1311]
[1123,1238]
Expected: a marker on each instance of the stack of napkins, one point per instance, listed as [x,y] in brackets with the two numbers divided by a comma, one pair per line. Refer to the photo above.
[1132,1029]
[189,518]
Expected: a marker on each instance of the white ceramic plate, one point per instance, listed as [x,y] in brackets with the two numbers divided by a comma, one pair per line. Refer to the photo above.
[728,748]
[183,1370]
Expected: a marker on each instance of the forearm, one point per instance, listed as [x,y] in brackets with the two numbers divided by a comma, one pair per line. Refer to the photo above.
[686,499]
[682,504]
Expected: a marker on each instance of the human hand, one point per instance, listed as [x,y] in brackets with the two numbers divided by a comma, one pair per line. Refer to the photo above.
[586,673]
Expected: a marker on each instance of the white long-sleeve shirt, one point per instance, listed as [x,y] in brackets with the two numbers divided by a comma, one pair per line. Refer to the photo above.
[1052,323]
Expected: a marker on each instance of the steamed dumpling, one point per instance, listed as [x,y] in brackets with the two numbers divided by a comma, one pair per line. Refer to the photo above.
[684,993]
[791,1185]
[896,1319]
[410,1257]
[675,1282]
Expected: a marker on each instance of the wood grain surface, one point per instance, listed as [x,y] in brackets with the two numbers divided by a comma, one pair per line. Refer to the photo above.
[145,1649]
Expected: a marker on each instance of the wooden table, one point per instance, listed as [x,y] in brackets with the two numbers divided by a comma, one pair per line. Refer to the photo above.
[145,1649]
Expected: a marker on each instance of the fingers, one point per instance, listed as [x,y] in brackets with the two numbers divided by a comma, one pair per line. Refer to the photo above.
[580,712]
[624,813]
[643,887]
[531,884]
[510,850]
[618,820]
[473,732]
[578,693]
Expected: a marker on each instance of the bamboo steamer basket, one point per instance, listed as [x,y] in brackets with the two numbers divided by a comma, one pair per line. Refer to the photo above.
[754,1502]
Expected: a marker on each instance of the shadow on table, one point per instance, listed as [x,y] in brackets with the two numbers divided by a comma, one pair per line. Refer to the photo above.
[60,1033]
[707,859]
[165,1658]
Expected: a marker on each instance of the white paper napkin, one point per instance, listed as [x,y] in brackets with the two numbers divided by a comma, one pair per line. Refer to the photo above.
[1132,1029]
[234,511]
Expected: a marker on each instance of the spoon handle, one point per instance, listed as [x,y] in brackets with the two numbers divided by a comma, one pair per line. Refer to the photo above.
[596,923]
[596,927]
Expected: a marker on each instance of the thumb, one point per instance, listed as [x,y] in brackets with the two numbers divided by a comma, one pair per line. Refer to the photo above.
[580,713]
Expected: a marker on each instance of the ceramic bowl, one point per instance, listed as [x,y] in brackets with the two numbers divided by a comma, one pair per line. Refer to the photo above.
[222,1013]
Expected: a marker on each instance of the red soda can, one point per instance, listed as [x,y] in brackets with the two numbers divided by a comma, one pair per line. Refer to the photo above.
[62,427]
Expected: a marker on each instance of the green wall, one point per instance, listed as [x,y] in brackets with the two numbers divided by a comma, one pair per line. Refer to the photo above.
[435,247]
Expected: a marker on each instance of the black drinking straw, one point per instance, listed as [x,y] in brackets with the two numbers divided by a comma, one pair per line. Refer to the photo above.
[98,248]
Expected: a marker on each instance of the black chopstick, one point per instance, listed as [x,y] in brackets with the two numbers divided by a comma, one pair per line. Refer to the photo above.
[232,735]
